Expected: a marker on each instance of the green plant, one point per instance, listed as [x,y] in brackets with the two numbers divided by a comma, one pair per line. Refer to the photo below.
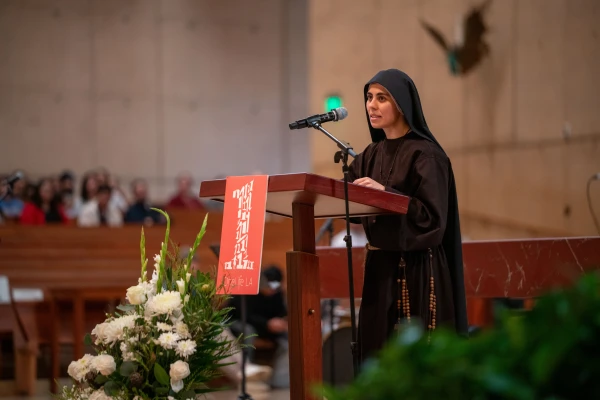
[551,352]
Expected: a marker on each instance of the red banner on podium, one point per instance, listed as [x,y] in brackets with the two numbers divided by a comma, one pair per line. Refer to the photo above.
[242,234]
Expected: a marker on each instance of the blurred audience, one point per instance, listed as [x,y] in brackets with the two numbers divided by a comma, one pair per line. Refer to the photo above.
[82,201]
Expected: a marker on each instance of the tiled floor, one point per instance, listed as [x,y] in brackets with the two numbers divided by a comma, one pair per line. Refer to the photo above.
[256,391]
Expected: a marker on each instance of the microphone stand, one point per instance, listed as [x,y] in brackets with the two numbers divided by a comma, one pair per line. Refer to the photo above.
[342,155]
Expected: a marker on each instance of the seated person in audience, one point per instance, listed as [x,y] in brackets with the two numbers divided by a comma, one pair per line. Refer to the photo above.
[117,197]
[12,205]
[100,211]
[67,194]
[89,188]
[266,315]
[185,196]
[45,206]
[139,211]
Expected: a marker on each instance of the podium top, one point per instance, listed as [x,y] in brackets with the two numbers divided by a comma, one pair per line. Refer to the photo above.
[326,194]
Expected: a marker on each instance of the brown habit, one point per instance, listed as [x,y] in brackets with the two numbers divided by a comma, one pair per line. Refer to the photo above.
[412,247]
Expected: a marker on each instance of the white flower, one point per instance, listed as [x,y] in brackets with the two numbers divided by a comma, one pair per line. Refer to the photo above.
[180,285]
[178,372]
[99,332]
[129,356]
[188,275]
[79,369]
[99,395]
[186,348]
[182,330]
[150,287]
[157,258]
[136,295]
[163,303]
[104,364]
[164,327]
[115,329]
[168,340]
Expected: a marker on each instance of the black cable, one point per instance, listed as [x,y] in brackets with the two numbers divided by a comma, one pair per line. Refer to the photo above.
[589,198]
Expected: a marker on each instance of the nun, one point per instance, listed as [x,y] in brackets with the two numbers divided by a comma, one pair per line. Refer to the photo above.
[413,266]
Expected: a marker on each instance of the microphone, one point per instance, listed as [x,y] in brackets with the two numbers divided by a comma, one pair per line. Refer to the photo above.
[337,114]
[13,178]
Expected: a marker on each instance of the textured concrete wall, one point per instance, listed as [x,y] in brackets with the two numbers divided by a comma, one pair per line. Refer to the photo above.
[150,88]
[503,125]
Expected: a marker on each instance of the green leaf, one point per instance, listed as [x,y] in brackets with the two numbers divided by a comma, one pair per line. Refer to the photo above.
[87,340]
[143,254]
[162,390]
[101,379]
[126,307]
[111,388]
[188,394]
[161,375]
[128,368]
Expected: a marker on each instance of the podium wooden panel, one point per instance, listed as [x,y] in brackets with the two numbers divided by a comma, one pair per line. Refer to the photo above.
[304,197]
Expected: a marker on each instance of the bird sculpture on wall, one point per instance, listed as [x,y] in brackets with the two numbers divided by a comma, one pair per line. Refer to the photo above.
[469,48]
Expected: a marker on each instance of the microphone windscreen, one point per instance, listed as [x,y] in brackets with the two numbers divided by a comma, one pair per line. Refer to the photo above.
[341,113]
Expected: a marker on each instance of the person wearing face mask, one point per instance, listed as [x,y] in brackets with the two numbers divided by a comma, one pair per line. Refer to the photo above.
[413,266]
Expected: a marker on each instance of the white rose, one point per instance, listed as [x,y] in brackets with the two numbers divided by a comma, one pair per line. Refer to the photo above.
[136,295]
[104,364]
[178,372]
[99,395]
[79,369]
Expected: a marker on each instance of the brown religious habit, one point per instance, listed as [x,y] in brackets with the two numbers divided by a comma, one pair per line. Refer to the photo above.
[413,266]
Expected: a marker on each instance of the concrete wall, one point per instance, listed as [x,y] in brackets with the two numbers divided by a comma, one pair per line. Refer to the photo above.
[504,125]
[150,88]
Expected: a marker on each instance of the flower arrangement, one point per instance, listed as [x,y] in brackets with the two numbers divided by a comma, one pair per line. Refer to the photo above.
[167,342]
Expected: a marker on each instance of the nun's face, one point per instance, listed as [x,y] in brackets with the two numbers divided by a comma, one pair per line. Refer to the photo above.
[381,107]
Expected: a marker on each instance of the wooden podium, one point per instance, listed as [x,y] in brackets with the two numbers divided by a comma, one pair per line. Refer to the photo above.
[304,197]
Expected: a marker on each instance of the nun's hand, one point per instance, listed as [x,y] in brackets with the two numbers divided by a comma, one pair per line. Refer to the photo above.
[368,182]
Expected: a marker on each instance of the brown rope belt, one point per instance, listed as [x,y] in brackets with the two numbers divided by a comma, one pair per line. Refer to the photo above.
[403,304]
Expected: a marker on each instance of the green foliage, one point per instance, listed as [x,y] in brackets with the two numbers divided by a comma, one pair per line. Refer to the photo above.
[548,353]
